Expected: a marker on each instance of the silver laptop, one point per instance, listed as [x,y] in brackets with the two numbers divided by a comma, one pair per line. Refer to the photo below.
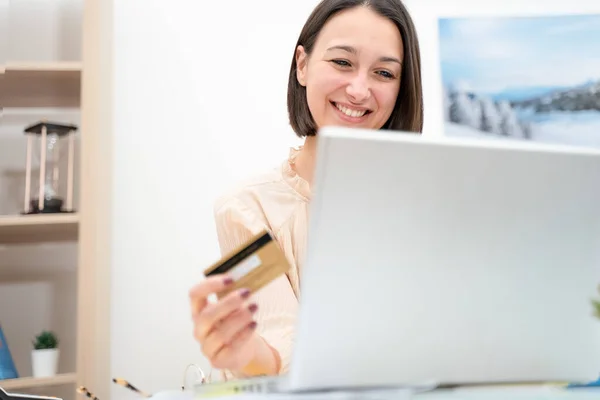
[446,262]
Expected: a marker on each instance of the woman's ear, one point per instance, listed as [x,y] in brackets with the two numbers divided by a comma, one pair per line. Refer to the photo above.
[301,62]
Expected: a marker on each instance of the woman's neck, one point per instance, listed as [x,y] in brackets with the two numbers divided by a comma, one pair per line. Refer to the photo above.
[305,161]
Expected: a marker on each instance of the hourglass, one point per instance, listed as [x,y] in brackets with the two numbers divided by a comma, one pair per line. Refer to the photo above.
[46,196]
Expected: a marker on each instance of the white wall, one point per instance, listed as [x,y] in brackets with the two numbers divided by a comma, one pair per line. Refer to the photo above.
[4,9]
[199,102]
[44,30]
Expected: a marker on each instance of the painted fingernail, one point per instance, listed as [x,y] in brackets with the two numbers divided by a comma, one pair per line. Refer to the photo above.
[252,308]
[245,293]
[252,325]
[228,281]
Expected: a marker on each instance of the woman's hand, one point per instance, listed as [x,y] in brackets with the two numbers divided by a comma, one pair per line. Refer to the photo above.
[225,329]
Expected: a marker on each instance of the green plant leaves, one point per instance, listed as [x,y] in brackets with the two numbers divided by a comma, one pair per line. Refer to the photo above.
[45,340]
[596,305]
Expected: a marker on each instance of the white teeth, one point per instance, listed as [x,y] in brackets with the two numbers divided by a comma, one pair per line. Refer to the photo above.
[349,112]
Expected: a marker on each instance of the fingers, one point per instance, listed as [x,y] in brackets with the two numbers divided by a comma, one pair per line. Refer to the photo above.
[223,328]
[199,293]
[228,330]
[213,313]
[235,345]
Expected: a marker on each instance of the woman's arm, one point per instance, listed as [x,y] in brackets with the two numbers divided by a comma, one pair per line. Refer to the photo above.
[266,360]
[277,303]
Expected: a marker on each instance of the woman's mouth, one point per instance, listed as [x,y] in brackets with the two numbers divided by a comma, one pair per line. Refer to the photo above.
[351,114]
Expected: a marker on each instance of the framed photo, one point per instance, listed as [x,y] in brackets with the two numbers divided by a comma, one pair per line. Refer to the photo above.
[522,78]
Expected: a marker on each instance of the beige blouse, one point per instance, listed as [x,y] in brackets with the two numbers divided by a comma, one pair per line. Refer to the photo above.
[277,201]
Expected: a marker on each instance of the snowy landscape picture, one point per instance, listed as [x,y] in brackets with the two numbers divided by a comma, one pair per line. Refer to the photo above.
[522,78]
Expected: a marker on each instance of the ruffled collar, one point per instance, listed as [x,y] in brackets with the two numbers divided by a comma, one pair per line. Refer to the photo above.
[300,185]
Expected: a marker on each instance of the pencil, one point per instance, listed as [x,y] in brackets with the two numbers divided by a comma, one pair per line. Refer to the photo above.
[124,383]
[83,390]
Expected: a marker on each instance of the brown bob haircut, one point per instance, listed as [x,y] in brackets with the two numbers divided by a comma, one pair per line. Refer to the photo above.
[408,111]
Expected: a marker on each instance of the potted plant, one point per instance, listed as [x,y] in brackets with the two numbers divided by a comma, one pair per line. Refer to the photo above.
[596,304]
[44,356]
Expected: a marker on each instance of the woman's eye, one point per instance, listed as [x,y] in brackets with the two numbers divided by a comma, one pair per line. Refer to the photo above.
[386,74]
[342,63]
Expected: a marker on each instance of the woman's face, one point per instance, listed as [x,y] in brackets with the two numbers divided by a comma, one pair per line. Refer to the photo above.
[352,77]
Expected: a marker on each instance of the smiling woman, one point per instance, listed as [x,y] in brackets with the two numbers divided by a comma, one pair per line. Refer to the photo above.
[355,61]
[361,79]
[356,64]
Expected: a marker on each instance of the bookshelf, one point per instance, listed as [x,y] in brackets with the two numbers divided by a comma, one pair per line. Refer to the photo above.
[43,84]
[30,383]
[28,229]
[40,266]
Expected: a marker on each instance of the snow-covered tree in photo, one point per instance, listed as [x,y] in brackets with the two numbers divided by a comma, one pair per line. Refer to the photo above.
[462,111]
[509,124]
[490,118]
[475,123]
[527,129]
[446,103]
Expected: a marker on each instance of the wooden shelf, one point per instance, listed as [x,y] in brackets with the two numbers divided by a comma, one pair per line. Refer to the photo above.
[38,228]
[40,85]
[27,383]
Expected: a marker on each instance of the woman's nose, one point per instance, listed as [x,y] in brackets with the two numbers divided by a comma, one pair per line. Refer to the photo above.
[359,89]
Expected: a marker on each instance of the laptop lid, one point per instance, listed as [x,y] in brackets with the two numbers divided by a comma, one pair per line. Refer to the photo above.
[448,261]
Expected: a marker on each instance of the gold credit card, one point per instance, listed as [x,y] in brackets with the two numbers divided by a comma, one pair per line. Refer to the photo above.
[252,265]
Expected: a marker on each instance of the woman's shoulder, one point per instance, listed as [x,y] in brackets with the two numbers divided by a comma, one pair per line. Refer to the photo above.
[249,192]
[267,197]
[278,186]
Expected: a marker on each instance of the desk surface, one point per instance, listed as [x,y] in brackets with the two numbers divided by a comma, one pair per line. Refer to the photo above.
[511,394]
[468,394]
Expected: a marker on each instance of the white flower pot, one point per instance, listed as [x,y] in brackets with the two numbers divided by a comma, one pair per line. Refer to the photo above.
[44,363]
